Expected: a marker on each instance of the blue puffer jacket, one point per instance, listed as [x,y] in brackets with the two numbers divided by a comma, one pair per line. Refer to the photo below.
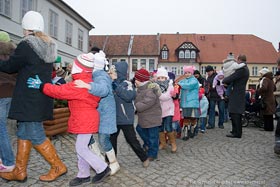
[189,93]
[102,87]
[124,93]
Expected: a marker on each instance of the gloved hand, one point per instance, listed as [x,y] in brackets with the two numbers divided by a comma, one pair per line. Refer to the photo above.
[34,83]
[114,85]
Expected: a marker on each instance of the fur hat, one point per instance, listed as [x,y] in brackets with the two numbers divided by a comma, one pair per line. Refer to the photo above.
[162,72]
[189,69]
[99,60]
[84,62]
[142,75]
[264,71]
[4,37]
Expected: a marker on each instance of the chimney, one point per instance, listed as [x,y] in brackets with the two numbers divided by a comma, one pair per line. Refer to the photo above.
[232,37]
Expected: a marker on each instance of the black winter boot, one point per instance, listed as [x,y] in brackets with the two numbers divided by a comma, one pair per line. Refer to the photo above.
[100,176]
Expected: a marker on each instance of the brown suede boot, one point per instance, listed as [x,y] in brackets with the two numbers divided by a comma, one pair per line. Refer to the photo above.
[48,151]
[172,138]
[19,173]
[162,140]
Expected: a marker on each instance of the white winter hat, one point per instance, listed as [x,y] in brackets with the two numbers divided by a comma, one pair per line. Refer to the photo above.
[33,21]
[84,62]
[99,60]
[162,72]
[264,71]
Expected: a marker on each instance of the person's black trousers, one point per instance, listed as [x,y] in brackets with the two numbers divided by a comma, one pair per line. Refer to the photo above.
[131,139]
[236,124]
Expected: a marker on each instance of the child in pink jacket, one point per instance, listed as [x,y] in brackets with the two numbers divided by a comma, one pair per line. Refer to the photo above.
[167,107]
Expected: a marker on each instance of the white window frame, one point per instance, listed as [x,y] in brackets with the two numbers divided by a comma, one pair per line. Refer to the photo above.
[80,39]
[143,63]
[255,71]
[151,65]
[193,54]
[174,70]
[53,24]
[274,70]
[164,54]
[134,65]
[6,8]
[68,32]
[187,54]
[181,54]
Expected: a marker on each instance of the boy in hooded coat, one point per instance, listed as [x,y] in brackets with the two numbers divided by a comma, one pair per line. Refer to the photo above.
[124,93]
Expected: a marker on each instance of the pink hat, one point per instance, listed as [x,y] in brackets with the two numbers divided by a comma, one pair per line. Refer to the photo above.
[189,69]
[84,62]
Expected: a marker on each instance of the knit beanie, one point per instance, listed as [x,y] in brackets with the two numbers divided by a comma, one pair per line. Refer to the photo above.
[162,72]
[188,69]
[83,63]
[142,75]
[4,36]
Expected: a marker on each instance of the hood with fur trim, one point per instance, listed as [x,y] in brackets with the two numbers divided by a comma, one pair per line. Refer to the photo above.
[6,48]
[47,51]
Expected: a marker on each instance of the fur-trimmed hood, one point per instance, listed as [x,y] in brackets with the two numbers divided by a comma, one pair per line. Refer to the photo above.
[47,51]
[6,48]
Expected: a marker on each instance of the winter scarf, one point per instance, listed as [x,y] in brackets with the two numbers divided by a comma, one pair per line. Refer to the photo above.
[163,85]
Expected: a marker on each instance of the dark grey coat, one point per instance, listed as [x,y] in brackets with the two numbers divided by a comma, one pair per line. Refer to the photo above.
[237,95]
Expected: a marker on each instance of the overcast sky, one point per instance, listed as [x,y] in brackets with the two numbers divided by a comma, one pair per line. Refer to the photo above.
[258,17]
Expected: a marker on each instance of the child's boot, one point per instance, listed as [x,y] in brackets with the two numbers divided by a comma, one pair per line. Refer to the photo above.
[277,145]
[172,138]
[162,140]
[114,165]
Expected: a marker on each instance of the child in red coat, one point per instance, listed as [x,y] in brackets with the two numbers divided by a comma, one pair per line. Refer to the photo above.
[82,104]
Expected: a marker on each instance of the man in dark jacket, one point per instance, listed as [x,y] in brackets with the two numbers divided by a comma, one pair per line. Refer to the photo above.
[213,97]
[237,96]
[124,93]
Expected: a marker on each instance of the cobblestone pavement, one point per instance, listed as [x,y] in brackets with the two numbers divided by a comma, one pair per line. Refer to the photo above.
[210,159]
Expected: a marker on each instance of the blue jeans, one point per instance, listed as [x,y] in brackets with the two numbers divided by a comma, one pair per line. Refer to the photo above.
[166,124]
[221,107]
[6,151]
[150,137]
[202,122]
[176,126]
[32,131]
[105,142]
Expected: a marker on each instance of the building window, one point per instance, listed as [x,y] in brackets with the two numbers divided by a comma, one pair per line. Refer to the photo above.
[203,72]
[187,54]
[193,54]
[53,24]
[26,5]
[151,65]
[174,70]
[123,60]
[254,71]
[274,69]
[181,72]
[114,60]
[164,54]
[5,7]
[68,32]
[143,63]
[80,39]
[134,64]
[181,54]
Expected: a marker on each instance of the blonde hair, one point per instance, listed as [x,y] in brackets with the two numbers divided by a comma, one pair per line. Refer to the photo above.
[43,36]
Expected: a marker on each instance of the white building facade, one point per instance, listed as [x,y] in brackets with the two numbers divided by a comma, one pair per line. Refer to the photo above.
[62,23]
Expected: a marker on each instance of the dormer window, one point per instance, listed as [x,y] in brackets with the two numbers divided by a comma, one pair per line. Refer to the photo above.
[187,54]
[181,54]
[193,54]
[164,52]
[164,55]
